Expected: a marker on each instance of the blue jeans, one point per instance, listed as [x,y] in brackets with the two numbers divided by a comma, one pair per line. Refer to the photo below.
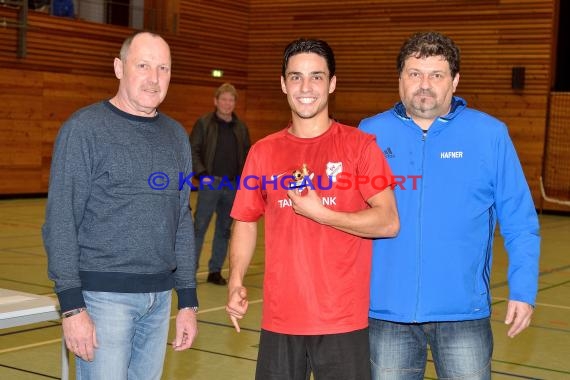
[460,350]
[219,199]
[132,331]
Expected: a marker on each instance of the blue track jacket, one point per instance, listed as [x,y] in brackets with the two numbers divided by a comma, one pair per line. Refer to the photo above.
[452,185]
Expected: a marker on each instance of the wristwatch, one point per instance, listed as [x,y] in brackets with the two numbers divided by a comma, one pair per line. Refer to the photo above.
[71,313]
[193,308]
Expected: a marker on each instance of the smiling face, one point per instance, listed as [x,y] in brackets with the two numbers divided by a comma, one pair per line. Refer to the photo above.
[307,85]
[426,88]
[144,74]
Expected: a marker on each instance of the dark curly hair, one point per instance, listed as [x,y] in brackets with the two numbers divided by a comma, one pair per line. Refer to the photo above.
[430,44]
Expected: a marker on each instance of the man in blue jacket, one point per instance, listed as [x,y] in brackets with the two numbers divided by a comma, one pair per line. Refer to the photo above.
[456,174]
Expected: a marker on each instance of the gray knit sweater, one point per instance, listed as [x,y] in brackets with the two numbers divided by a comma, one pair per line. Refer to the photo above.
[107,229]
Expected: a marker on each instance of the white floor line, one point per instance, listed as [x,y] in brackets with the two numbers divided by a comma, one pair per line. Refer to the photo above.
[33,345]
[200,311]
[45,343]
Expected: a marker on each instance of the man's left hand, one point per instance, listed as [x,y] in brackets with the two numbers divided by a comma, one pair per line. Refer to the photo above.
[518,316]
[186,329]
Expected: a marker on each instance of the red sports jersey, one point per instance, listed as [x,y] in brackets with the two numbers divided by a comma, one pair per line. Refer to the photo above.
[316,277]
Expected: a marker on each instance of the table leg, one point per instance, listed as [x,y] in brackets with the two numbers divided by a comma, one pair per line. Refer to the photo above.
[64,360]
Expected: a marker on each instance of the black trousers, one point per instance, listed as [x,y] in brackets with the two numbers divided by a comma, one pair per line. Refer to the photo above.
[328,357]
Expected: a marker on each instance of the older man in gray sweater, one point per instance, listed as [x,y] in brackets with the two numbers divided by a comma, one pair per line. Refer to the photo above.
[117,239]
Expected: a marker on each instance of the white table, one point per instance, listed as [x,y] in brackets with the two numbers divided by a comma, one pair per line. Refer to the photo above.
[19,308]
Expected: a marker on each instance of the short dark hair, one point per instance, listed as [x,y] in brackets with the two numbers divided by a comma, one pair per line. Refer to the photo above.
[430,44]
[303,45]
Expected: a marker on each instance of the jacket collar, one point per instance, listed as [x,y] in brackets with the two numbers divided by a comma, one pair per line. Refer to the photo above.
[219,120]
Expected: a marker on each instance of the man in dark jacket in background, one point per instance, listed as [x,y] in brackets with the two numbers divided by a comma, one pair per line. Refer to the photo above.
[220,142]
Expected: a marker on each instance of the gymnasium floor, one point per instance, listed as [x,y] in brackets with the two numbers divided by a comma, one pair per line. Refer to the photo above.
[33,352]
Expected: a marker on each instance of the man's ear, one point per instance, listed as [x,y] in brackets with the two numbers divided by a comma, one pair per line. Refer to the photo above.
[455,82]
[283,88]
[118,65]
[332,84]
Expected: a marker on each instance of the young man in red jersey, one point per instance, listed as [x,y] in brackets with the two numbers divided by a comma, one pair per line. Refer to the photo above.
[317,251]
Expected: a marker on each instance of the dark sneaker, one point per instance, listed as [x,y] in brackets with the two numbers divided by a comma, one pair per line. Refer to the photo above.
[216,278]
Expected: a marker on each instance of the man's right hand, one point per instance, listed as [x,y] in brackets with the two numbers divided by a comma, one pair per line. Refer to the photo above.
[79,334]
[237,304]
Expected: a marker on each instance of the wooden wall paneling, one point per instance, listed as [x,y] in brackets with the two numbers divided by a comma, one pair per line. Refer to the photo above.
[162,15]
[71,63]
[20,132]
[494,36]
[20,161]
[8,34]
[269,110]
[212,35]
[246,38]
[60,44]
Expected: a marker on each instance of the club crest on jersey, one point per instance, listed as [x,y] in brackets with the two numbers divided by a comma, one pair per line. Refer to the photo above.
[333,169]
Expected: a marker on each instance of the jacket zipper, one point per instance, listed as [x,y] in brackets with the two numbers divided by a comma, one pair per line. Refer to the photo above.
[420,212]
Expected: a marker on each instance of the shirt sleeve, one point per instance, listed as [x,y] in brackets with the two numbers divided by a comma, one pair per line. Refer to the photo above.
[518,222]
[249,204]
[69,189]
[185,249]
[373,169]
[197,143]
